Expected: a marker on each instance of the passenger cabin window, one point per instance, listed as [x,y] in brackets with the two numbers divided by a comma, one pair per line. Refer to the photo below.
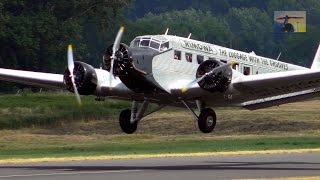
[177,55]
[246,70]
[200,59]
[189,57]
[235,66]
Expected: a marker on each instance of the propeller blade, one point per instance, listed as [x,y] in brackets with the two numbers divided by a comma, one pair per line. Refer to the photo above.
[70,60]
[71,68]
[117,41]
[76,91]
[115,48]
[188,86]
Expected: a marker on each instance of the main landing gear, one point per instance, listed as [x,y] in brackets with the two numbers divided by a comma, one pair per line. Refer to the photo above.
[125,122]
[207,118]
[129,119]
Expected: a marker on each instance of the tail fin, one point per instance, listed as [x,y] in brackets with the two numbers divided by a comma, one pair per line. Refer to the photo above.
[316,60]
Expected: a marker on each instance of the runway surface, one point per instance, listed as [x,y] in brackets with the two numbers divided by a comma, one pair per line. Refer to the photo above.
[213,167]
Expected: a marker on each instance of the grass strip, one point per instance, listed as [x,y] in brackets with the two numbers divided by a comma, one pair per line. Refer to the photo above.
[163,146]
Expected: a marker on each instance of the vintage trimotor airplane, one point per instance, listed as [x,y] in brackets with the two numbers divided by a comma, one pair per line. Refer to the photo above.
[182,72]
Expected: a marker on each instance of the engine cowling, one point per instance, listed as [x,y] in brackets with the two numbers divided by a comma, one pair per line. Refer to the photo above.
[85,78]
[124,67]
[217,81]
[122,62]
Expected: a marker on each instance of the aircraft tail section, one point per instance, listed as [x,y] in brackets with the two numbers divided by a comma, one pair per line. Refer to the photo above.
[316,60]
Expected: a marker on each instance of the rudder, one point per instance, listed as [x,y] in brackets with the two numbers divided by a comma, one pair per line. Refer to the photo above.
[316,60]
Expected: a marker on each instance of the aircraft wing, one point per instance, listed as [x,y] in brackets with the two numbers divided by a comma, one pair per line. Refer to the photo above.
[264,90]
[291,17]
[47,80]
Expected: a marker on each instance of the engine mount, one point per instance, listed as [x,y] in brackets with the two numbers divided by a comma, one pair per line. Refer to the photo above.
[217,81]
[85,78]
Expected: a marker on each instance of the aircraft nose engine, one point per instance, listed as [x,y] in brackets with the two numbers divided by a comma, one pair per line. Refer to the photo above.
[85,78]
[217,81]
[122,62]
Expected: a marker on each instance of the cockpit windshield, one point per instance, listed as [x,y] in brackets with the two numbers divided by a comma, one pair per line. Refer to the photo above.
[152,43]
[144,42]
[155,44]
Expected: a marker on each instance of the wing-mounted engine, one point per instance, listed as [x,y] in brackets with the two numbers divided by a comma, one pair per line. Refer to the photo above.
[85,78]
[217,81]
[124,67]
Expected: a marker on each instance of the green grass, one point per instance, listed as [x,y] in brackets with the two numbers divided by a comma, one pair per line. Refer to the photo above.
[46,109]
[152,146]
[52,125]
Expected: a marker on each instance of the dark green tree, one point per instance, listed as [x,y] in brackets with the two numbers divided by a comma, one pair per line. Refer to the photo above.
[252,30]
[203,26]
[34,34]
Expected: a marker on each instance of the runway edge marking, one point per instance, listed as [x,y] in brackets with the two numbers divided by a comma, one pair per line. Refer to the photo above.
[288,178]
[140,156]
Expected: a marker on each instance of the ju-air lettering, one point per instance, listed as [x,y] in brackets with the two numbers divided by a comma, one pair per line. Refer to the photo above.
[199,47]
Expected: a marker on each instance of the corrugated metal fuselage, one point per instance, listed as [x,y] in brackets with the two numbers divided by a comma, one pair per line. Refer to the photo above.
[168,74]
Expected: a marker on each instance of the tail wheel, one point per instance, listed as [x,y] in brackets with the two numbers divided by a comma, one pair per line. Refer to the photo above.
[125,124]
[207,120]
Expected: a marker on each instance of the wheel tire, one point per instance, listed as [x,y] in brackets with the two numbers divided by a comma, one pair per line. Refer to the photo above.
[207,120]
[125,124]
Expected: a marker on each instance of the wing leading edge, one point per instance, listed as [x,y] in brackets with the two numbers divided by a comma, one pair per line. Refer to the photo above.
[47,80]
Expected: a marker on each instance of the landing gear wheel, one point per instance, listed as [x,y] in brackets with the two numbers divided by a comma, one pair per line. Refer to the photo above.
[125,124]
[207,120]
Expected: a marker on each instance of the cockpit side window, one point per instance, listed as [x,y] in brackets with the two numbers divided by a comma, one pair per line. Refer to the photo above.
[145,42]
[164,46]
[136,42]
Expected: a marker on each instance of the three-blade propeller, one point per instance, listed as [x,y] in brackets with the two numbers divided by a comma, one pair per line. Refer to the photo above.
[71,69]
[188,86]
[115,48]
